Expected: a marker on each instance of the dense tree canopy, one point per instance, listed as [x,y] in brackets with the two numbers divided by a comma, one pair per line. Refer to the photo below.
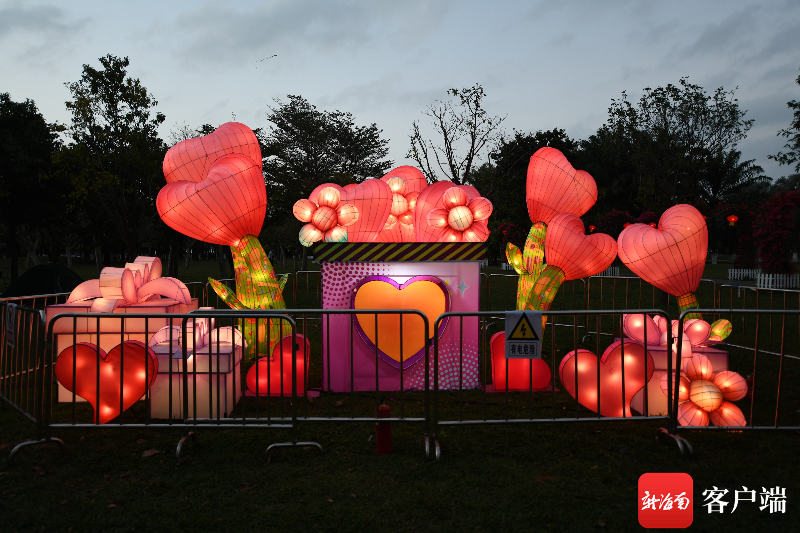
[792,133]
[27,143]
[112,116]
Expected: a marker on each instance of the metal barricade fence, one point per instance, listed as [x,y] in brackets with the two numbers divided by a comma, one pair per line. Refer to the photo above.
[549,404]
[356,383]
[768,370]
[196,376]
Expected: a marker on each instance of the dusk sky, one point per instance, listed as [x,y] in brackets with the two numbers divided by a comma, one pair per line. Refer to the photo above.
[542,64]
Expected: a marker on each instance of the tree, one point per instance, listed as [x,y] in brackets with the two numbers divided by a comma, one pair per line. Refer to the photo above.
[112,117]
[306,147]
[672,135]
[27,143]
[793,134]
[724,174]
[466,128]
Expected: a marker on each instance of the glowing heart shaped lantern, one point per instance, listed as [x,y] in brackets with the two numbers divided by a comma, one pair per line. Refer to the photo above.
[124,374]
[671,256]
[215,193]
[581,369]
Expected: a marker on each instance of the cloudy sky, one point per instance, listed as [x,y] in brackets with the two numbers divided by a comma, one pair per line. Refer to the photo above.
[542,64]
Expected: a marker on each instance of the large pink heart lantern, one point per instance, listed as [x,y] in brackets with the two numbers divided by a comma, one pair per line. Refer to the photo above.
[554,187]
[671,256]
[373,199]
[275,373]
[414,178]
[610,377]
[577,254]
[214,199]
[190,160]
[523,374]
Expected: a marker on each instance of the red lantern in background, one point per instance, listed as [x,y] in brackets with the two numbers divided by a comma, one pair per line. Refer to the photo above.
[652,224]
[732,219]
[625,225]
[591,228]
[705,217]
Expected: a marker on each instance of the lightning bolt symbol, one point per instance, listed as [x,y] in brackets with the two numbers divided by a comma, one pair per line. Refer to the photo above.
[523,331]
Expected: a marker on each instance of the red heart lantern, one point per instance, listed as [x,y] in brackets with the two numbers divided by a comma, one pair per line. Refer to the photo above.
[523,374]
[414,182]
[578,255]
[212,198]
[610,377]
[554,187]
[270,376]
[373,199]
[135,381]
[671,256]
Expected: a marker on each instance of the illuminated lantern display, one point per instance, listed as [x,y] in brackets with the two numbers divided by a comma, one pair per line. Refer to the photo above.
[218,196]
[612,401]
[591,228]
[709,395]
[671,256]
[732,219]
[556,195]
[373,200]
[406,184]
[125,373]
[432,198]
[326,217]
[213,365]
[138,287]
[554,187]
[652,224]
[695,340]
[626,224]
[462,219]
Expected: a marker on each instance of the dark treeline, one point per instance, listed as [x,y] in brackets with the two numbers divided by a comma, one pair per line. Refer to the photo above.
[88,188]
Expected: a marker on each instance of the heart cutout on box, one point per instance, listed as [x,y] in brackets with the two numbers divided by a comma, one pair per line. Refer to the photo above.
[425,293]
[610,377]
[553,186]
[671,256]
[110,372]
[577,254]
[228,204]
[272,376]
[523,374]
[191,160]
[373,199]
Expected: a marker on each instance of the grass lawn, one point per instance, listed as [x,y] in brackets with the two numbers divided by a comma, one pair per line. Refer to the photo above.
[551,476]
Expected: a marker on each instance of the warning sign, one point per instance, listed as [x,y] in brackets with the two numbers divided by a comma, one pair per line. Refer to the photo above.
[523,335]
[524,331]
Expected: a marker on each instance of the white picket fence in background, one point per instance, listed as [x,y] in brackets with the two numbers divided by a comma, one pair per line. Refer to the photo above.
[778,281]
[765,281]
[743,274]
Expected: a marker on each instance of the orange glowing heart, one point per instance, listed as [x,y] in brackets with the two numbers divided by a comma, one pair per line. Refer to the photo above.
[425,293]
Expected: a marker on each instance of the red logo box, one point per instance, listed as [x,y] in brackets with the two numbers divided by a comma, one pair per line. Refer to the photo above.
[666,500]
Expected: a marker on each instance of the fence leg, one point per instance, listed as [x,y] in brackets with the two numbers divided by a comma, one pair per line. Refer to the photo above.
[25,444]
[437,450]
[683,445]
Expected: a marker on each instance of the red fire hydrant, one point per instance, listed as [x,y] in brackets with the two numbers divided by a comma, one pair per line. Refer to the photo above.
[383,431]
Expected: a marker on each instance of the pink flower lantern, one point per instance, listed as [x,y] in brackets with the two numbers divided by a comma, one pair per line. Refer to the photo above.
[461,218]
[326,217]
